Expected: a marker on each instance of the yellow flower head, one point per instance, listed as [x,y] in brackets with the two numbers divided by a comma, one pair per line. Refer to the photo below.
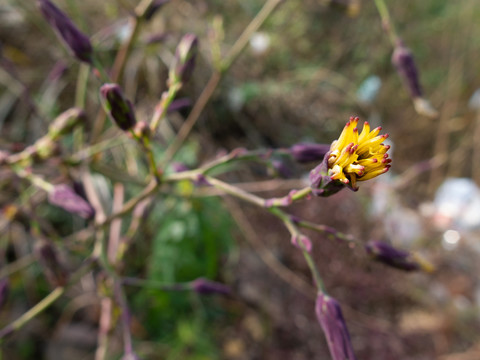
[358,157]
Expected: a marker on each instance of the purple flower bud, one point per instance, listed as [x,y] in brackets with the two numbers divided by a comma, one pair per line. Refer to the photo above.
[391,256]
[184,63]
[54,271]
[322,183]
[206,287]
[330,317]
[117,106]
[403,60]
[63,196]
[153,8]
[309,152]
[4,290]
[77,42]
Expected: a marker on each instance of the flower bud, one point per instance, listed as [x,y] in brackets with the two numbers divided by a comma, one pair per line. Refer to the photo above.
[65,122]
[184,63]
[206,287]
[63,196]
[54,271]
[117,106]
[329,315]
[396,258]
[309,152]
[402,58]
[76,41]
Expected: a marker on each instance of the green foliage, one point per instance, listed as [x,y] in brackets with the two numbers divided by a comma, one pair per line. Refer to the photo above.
[190,239]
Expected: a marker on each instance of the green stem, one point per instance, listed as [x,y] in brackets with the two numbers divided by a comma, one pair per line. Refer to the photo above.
[244,38]
[157,285]
[34,179]
[292,228]
[163,105]
[386,21]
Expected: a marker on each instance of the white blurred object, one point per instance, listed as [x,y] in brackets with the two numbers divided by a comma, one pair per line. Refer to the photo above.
[369,88]
[474,102]
[260,42]
[457,204]
[450,239]
[236,99]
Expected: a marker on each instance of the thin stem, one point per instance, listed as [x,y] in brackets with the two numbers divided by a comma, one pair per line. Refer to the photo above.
[192,117]
[292,228]
[157,285]
[18,265]
[45,303]
[331,232]
[254,25]
[122,301]
[81,88]
[34,179]
[163,105]
[386,21]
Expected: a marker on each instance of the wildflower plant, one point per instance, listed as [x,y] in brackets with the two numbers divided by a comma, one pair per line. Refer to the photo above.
[106,226]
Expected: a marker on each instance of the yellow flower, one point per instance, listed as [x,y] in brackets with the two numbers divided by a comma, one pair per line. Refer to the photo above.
[358,157]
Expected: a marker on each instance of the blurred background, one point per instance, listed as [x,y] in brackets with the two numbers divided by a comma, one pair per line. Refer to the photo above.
[310,67]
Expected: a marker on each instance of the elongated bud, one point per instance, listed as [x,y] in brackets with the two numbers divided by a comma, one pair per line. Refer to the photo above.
[54,271]
[329,315]
[65,197]
[397,258]
[78,43]
[65,122]
[117,106]
[402,58]
[207,287]
[309,152]
[184,63]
